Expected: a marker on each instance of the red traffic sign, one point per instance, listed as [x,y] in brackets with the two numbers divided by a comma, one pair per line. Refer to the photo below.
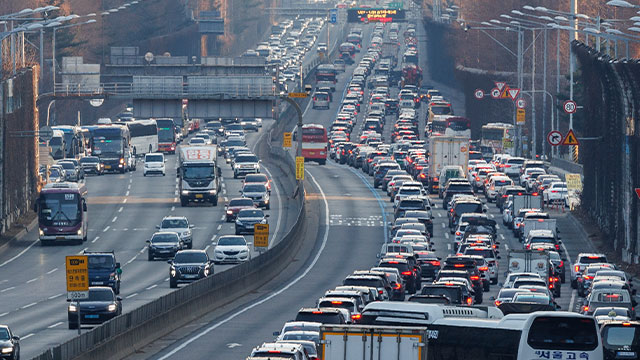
[554,138]
[479,94]
[570,106]
[500,85]
[495,93]
[521,103]
[570,139]
[513,93]
[638,192]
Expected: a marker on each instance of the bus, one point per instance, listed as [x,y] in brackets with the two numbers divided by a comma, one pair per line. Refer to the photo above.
[57,145]
[481,332]
[314,143]
[62,212]
[326,72]
[450,126]
[112,144]
[144,136]
[73,140]
[167,135]
[494,137]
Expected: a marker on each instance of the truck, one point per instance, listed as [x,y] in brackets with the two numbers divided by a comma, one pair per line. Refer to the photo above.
[390,50]
[518,202]
[198,175]
[529,261]
[537,224]
[372,342]
[411,75]
[444,151]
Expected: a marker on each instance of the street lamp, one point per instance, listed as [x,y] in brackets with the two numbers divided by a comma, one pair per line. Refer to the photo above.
[53,45]
[621,3]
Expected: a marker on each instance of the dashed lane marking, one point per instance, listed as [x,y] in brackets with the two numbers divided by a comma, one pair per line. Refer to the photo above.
[173,208]
[114,219]
[132,295]
[54,325]
[96,239]
[52,271]
[29,305]
[54,296]
[27,336]
[219,226]
[121,208]
[106,229]
[152,286]
[32,280]
[4,314]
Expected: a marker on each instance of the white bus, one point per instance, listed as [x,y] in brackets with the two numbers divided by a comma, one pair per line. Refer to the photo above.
[494,138]
[483,333]
[144,136]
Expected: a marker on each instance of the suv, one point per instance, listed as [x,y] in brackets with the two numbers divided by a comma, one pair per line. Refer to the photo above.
[104,270]
[188,266]
[464,206]
[469,265]
[490,255]
[323,315]
[456,293]
[154,164]
[179,225]
[410,203]
[275,350]
[245,164]
[455,186]
[410,276]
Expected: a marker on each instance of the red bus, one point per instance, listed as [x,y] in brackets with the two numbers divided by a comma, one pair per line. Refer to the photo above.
[314,143]
[62,212]
[166,135]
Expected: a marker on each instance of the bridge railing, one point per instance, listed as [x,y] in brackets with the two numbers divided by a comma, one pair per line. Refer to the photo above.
[169,90]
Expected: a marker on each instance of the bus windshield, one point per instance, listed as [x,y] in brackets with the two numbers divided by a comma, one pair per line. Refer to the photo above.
[59,209]
[107,146]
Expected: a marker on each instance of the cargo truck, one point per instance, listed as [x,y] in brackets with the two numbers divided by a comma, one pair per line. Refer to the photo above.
[537,224]
[445,151]
[198,175]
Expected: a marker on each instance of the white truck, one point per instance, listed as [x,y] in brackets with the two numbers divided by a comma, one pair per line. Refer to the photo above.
[524,201]
[444,151]
[198,174]
[537,224]
[529,261]
[372,342]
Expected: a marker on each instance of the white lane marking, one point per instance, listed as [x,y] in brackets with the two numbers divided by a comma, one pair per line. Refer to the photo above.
[222,217]
[19,254]
[219,226]
[4,313]
[173,208]
[501,236]
[96,239]
[83,250]
[207,247]
[131,180]
[129,187]
[106,229]
[132,295]
[439,215]
[448,246]
[32,280]
[54,325]
[52,271]
[260,302]
[152,286]
[127,193]
[131,260]
[175,192]
[573,299]
[446,235]
[121,208]
[506,247]
[114,219]
[213,238]
[27,336]
[492,216]
[124,201]
[28,305]
[223,185]
[226,199]
[54,296]
[167,279]
[224,191]
[443,225]
[143,249]
[497,227]
[275,232]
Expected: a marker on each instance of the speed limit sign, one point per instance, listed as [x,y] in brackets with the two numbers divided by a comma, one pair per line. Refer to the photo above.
[521,103]
[479,94]
[570,106]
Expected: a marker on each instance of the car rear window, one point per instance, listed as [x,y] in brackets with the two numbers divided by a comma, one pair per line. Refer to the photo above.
[592,259]
[454,294]
[515,161]
[412,204]
[618,335]
[154,158]
[485,253]
[468,208]
[563,333]
[321,317]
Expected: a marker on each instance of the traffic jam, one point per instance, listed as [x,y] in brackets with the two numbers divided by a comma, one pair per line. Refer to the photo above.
[472,264]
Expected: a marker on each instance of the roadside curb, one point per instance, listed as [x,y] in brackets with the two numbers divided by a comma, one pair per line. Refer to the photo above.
[17,237]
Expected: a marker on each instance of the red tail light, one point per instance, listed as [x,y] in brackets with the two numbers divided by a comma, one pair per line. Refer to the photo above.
[458,233]
[554,191]
[504,196]
[379,291]
[317,312]
[475,277]
[422,176]
[469,301]
[484,268]
[534,194]
[406,273]
[356,317]
[585,308]
[336,302]
[477,178]
[435,262]
[561,263]
[398,286]
[458,265]
[587,277]
[557,247]
[497,302]
[528,246]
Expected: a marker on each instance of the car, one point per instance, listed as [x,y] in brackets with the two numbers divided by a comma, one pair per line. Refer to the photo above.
[490,255]
[101,305]
[458,294]
[231,249]
[10,344]
[258,193]
[164,244]
[70,170]
[197,141]
[341,303]
[323,315]
[247,218]
[423,216]
[245,164]
[494,186]
[321,100]
[180,225]
[154,163]
[556,193]
[408,270]
[91,165]
[287,350]
[188,266]
[506,295]
[304,326]
[259,179]
[104,270]
[235,205]
[581,263]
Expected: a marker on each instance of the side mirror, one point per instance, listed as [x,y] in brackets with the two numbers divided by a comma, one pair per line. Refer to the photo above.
[157,226]
[267,215]
[148,241]
[377,256]
[429,209]
[192,226]
[634,292]
[498,257]
[68,300]
[84,206]
[169,261]
[16,338]
[118,298]
[117,265]
[558,307]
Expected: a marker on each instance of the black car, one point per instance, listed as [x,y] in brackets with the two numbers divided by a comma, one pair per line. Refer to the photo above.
[391,106]
[188,266]
[104,270]
[409,274]
[9,343]
[164,244]
[247,218]
[469,265]
[409,204]
[457,294]
[102,305]
[457,187]
[429,264]
[619,339]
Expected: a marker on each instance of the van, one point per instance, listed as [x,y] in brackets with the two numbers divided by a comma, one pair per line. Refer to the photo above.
[154,164]
[321,100]
[448,172]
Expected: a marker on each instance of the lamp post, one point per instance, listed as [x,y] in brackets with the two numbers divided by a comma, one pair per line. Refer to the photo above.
[53,42]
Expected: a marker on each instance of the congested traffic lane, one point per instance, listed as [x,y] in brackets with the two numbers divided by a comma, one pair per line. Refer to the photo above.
[123,212]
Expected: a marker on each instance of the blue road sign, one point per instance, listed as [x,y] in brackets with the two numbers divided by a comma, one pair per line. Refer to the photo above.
[333,16]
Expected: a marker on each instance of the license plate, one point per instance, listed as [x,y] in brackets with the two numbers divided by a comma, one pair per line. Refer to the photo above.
[190,276]
[97,283]
[59,237]
[199,196]
[91,316]
[626,353]
[107,166]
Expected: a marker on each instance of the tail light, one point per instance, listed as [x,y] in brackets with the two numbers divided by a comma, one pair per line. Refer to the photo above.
[435,262]
[554,191]
[379,291]
[458,233]
[356,317]
[317,312]
[497,302]
[504,196]
[587,277]
[528,246]
[475,277]
[422,176]
[484,268]
[458,265]
[336,302]
[507,166]
[534,194]
[397,286]
[561,263]
[585,308]
[477,178]
[557,247]
[577,268]
[406,273]
[469,300]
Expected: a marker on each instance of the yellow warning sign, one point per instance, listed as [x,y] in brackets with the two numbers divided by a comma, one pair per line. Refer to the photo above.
[261,235]
[520,116]
[570,139]
[505,92]
[286,140]
[299,168]
[574,182]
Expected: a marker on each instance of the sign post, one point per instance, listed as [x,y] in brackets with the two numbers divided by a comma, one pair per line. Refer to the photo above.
[286,140]
[77,268]
[261,237]
[299,168]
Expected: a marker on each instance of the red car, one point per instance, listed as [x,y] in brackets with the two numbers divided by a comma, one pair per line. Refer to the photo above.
[258,178]
[235,205]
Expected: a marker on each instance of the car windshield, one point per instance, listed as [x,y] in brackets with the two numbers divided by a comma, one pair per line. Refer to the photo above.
[67,165]
[250,213]
[89,160]
[412,204]
[414,191]
[190,258]
[154,158]
[162,238]
[620,335]
[542,240]
[309,336]
[531,298]
[246,159]
[240,202]
[198,172]
[174,223]
[611,312]
[231,241]
[60,209]
[254,188]
[231,143]
[485,253]
[100,261]
[196,141]
[100,295]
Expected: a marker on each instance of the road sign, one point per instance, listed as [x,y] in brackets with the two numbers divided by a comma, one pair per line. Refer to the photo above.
[333,16]
[504,94]
[261,235]
[574,182]
[507,143]
[45,133]
[521,103]
[77,268]
[297,95]
[500,85]
[479,94]
[286,140]
[513,93]
[96,102]
[520,116]
[299,168]
[554,137]
[495,93]
[570,139]
[570,106]
[463,149]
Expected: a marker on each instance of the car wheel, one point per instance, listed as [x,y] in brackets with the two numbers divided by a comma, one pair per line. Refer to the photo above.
[214,202]
[268,207]
[573,284]
[173,283]
[235,176]
[149,256]
[144,174]
[184,202]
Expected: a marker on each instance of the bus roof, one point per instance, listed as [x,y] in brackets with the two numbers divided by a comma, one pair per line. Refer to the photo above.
[312,126]
[64,187]
[498,125]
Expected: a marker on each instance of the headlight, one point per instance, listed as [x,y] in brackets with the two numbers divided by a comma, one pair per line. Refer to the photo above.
[80,232]
[229,212]
[7,350]
[112,307]
[238,222]
[255,166]
[41,232]
[186,233]
[236,166]
[206,271]
[173,272]
[244,251]
[185,192]
[73,308]
[112,276]
[213,192]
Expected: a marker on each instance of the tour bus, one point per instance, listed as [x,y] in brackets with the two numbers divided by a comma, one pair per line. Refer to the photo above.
[167,135]
[450,126]
[73,140]
[112,144]
[326,72]
[57,145]
[62,212]
[484,333]
[314,143]
[495,136]
[144,136]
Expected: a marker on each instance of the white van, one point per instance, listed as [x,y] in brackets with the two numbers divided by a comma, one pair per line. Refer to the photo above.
[154,164]
[321,100]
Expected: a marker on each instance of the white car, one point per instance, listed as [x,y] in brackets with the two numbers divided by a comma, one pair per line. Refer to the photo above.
[524,178]
[495,184]
[154,163]
[231,249]
[512,166]
[556,192]
[512,277]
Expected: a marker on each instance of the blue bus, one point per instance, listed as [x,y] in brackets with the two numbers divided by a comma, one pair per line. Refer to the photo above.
[112,144]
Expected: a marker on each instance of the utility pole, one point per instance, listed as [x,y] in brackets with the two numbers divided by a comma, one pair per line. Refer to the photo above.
[533,151]
[544,98]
